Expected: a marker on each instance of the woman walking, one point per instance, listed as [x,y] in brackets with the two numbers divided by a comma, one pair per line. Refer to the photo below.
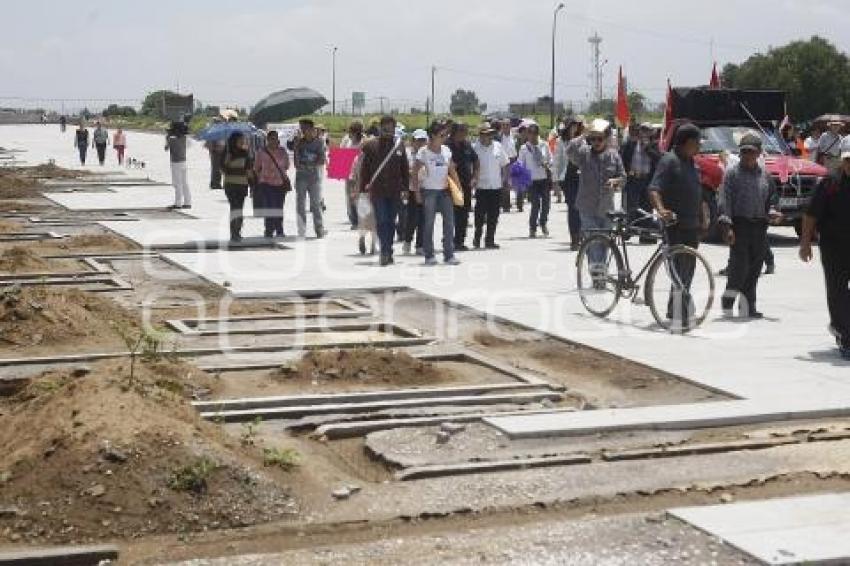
[119,143]
[272,184]
[236,169]
[433,194]
[352,140]
[81,141]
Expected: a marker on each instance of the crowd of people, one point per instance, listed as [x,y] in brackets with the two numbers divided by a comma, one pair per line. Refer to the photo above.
[399,184]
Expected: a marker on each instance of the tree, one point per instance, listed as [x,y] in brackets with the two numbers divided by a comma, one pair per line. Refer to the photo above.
[637,103]
[466,102]
[115,110]
[152,105]
[814,73]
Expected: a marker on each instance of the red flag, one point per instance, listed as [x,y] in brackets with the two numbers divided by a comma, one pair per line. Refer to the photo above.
[623,115]
[668,108]
[341,161]
[715,78]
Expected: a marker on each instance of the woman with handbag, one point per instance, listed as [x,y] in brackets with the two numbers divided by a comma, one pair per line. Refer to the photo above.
[273,183]
[433,193]
[237,169]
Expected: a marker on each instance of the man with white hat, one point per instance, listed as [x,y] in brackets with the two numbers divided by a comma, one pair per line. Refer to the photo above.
[602,174]
[828,216]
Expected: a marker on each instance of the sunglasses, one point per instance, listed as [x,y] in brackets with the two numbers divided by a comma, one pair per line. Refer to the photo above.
[596,139]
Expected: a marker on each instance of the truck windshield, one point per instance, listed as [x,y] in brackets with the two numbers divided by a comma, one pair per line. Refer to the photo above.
[719,138]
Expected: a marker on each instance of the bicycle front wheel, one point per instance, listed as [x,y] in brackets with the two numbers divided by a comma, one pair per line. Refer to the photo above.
[598,268]
[680,289]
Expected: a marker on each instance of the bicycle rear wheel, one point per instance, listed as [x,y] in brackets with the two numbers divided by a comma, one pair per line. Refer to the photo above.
[680,289]
[598,268]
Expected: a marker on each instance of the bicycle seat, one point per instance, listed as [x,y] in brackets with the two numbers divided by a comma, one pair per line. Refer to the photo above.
[618,216]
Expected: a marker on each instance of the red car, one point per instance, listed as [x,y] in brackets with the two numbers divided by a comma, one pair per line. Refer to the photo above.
[724,116]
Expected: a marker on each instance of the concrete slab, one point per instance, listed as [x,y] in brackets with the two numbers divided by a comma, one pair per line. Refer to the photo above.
[794,530]
[64,555]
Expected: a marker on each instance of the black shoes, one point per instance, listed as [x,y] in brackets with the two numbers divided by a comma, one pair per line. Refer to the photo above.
[770,269]
[492,246]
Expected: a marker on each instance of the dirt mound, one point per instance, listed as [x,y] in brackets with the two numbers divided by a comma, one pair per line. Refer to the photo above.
[14,185]
[89,455]
[7,227]
[368,365]
[19,206]
[53,171]
[18,258]
[33,316]
[99,241]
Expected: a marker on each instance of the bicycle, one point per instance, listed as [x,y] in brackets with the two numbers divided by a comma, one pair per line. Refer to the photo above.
[600,289]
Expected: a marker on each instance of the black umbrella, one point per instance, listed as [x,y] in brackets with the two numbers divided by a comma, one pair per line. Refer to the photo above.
[287,104]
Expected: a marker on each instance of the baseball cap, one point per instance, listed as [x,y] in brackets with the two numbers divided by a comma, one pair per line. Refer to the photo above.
[750,142]
[420,134]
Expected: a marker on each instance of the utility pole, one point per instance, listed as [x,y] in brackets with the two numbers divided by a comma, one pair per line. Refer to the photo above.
[595,41]
[333,87]
[381,99]
[433,101]
[552,93]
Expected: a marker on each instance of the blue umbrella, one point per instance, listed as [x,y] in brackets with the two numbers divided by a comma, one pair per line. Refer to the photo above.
[223,130]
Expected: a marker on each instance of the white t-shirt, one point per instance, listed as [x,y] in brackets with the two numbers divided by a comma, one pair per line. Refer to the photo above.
[436,166]
[491,159]
[509,145]
[527,158]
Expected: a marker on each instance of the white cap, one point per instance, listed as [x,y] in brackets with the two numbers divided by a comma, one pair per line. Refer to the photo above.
[420,134]
[598,126]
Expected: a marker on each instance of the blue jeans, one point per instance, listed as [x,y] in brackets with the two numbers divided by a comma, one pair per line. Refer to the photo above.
[540,203]
[432,203]
[386,211]
[598,254]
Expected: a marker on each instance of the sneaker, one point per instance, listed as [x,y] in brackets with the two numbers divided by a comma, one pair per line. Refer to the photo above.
[476,244]
[545,230]
[361,245]
[844,352]
[461,248]
[431,261]
[770,269]
[186,206]
[321,234]
[452,261]
[174,207]
[405,248]
[532,233]
[755,315]
[492,246]
[236,238]
[420,251]
[385,260]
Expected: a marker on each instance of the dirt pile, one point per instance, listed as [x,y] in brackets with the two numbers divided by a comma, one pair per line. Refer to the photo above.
[7,227]
[52,171]
[18,258]
[96,241]
[367,365]
[35,316]
[89,455]
[14,185]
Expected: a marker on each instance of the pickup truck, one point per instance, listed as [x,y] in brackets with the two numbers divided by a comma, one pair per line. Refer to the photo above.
[724,117]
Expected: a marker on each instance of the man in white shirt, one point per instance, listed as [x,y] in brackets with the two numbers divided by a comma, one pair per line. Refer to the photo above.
[488,184]
[829,146]
[534,154]
[508,142]
[811,142]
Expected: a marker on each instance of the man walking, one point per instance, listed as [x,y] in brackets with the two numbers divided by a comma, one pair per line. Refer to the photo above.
[828,216]
[309,157]
[534,154]
[100,139]
[81,141]
[466,161]
[175,145]
[489,183]
[748,200]
[506,139]
[829,147]
[676,193]
[384,174]
[640,158]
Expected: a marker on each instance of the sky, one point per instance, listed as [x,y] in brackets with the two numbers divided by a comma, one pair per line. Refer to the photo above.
[89,52]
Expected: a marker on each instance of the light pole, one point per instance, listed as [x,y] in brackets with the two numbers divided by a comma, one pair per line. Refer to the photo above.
[333,88]
[552,93]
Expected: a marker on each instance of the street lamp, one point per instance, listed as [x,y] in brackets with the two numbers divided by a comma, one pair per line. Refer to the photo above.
[333,89]
[552,93]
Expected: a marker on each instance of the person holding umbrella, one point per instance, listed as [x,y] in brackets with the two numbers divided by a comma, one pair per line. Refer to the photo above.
[309,155]
[237,169]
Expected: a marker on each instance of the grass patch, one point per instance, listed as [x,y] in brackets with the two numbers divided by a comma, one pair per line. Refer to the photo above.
[193,477]
[284,458]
